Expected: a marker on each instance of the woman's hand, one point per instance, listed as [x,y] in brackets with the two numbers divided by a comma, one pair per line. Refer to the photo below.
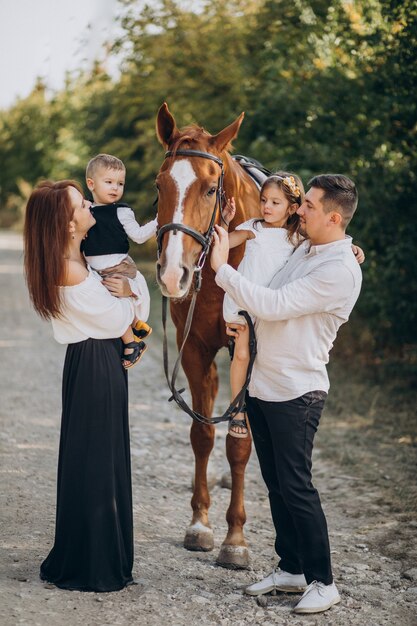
[118,286]
[220,248]
[126,268]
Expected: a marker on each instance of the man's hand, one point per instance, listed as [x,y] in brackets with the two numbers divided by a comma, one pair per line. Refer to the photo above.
[220,248]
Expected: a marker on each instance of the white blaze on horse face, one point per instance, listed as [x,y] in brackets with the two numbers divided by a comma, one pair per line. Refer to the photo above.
[183,175]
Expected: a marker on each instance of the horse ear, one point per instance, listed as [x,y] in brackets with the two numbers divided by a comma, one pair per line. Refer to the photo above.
[166,128]
[222,140]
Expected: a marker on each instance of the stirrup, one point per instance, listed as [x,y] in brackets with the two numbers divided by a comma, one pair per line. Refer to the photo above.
[231,347]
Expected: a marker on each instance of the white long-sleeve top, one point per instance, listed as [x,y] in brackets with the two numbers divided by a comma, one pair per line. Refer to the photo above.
[133,230]
[265,254]
[297,317]
[89,310]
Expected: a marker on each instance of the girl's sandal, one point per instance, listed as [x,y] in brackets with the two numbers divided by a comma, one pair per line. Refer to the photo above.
[138,348]
[238,423]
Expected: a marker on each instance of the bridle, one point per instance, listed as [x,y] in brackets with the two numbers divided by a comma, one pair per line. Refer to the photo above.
[204,240]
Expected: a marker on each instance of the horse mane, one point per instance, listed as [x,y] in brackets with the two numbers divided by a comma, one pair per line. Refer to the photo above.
[193,135]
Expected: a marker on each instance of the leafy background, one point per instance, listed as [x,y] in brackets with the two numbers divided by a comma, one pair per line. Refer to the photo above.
[326,86]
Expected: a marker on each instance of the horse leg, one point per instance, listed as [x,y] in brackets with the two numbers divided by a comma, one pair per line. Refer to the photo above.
[203,381]
[234,553]
[199,535]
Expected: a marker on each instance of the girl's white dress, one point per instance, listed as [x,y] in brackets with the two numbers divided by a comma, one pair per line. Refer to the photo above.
[265,255]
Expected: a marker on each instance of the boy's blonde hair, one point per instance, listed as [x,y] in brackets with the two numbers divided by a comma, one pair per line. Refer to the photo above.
[107,161]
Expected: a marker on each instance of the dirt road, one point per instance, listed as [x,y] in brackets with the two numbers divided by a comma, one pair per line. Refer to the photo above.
[175,587]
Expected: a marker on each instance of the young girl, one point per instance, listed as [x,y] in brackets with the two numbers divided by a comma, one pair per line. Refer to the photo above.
[270,240]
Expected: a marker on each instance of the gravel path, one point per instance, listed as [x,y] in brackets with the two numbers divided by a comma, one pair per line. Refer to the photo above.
[175,587]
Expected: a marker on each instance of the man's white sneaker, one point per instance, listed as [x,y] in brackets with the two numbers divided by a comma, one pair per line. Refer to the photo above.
[280,581]
[318,597]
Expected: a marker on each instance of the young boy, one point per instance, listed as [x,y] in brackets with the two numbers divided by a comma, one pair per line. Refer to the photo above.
[107,242]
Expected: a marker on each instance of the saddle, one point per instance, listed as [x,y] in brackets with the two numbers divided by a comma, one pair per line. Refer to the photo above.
[256,170]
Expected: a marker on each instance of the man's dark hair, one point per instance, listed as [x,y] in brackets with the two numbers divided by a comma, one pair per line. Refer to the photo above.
[340,194]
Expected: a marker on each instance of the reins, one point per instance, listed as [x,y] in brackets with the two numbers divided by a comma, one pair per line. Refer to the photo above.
[205,239]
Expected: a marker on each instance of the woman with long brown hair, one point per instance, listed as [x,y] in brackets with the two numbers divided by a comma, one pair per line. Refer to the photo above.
[93,548]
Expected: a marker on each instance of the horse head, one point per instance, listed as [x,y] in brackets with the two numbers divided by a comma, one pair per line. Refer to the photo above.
[190,190]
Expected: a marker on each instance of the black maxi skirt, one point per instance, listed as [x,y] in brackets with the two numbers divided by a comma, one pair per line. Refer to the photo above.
[93,548]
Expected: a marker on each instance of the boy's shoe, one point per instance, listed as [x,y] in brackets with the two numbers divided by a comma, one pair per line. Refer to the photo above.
[138,349]
[318,597]
[141,330]
[279,581]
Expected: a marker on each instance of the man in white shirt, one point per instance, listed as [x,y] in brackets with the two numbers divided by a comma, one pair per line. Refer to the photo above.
[297,319]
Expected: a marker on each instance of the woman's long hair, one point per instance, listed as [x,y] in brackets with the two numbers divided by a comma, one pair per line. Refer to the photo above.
[46,238]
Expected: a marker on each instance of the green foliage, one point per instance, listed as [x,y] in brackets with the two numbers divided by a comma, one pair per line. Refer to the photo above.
[24,145]
[327,85]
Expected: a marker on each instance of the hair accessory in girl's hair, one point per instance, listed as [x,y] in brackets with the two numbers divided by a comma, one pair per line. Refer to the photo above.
[294,188]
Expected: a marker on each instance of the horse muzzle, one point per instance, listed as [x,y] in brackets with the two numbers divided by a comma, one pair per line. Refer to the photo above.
[174,282]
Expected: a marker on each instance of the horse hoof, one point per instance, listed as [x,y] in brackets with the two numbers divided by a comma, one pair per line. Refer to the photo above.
[199,537]
[233,557]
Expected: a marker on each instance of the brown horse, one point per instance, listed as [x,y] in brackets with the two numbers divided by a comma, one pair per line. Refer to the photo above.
[187,185]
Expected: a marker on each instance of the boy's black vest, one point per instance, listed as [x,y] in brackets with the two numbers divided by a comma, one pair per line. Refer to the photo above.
[107,236]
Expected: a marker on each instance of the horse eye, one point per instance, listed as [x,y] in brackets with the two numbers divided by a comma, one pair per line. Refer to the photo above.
[211,191]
